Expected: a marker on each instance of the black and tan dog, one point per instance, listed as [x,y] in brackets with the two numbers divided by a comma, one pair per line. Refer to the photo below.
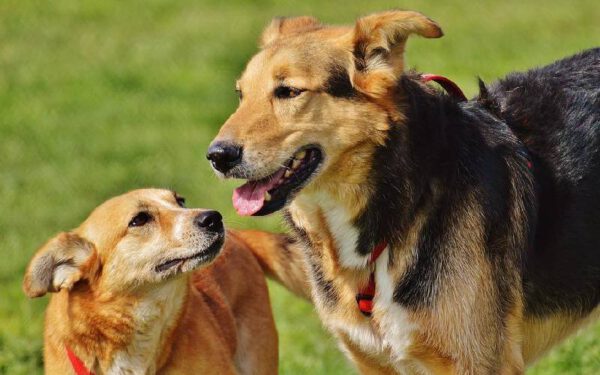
[469,232]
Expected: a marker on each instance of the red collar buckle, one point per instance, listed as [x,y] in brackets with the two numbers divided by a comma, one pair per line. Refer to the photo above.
[364,298]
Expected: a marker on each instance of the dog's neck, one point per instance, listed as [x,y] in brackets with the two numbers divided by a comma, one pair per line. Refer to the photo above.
[431,150]
[347,204]
[123,334]
[329,221]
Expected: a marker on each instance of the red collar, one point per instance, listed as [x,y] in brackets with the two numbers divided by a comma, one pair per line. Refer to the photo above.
[77,363]
[365,296]
[455,91]
[450,87]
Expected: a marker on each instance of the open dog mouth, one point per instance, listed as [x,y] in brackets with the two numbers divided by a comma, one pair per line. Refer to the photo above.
[270,194]
[194,260]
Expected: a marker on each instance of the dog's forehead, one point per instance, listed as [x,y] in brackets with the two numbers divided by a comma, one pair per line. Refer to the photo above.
[141,197]
[297,57]
[109,220]
[133,201]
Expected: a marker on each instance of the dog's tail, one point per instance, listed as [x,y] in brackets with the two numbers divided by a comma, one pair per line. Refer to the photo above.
[280,257]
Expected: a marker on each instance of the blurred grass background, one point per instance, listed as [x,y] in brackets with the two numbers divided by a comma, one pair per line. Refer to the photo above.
[99,96]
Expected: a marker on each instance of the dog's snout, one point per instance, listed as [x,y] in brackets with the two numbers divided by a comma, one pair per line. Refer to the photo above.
[211,220]
[224,156]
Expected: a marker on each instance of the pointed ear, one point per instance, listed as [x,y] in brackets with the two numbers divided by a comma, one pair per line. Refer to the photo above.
[57,265]
[379,41]
[285,26]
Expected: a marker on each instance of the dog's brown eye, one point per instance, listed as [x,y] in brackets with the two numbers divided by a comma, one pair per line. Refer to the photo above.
[239,93]
[286,92]
[180,201]
[140,219]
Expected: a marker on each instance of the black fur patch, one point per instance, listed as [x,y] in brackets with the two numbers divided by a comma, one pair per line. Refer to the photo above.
[555,110]
[338,83]
[325,287]
[360,58]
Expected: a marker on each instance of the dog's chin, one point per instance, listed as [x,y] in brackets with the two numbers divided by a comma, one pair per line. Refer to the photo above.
[269,194]
[184,264]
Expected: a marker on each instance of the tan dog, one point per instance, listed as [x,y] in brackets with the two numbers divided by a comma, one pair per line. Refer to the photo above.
[127,301]
[420,206]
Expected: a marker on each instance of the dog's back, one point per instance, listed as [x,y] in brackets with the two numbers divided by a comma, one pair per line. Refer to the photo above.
[555,110]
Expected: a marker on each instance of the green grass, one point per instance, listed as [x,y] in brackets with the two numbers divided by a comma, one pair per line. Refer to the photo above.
[98,97]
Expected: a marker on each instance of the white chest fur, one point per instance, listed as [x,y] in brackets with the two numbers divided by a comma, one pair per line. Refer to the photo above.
[343,230]
[153,317]
[388,334]
[394,323]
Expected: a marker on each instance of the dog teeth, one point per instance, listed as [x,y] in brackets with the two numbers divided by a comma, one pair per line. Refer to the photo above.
[296,163]
[267,196]
[288,173]
[300,155]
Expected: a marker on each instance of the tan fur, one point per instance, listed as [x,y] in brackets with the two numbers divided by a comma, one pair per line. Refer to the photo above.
[117,316]
[365,363]
[288,268]
[281,27]
[541,335]
[448,338]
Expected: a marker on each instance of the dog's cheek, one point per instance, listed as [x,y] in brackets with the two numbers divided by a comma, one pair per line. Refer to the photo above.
[126,268]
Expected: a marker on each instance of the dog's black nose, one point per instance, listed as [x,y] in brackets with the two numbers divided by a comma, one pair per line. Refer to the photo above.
[211,220]
[224,156]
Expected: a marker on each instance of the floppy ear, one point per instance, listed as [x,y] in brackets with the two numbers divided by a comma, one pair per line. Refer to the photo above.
[379,41]
[284,26]
[57,265]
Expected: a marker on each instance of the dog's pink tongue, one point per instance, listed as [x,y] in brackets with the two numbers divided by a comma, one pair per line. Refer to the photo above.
[249,198]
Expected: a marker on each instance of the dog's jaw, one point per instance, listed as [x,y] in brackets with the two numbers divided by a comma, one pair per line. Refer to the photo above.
[189,262]
[270,194]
